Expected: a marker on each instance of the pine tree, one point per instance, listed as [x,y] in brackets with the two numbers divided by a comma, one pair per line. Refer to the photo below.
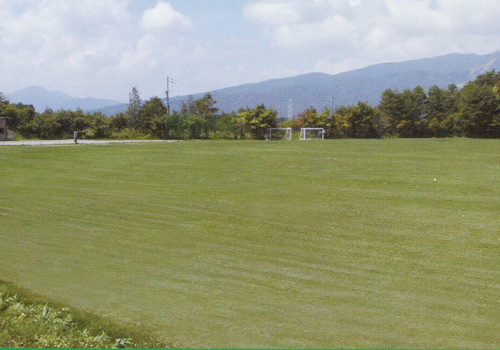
[134,106]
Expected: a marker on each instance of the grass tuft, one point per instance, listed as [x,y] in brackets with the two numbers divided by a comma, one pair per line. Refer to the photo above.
[31,321]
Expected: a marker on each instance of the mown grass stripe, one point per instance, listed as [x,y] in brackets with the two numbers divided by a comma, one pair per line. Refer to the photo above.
[252,244]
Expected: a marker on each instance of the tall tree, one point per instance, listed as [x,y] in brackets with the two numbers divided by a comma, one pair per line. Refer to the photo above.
[134,106]
[403,113]
[440,109]
[202,106]
[151,114]
[392,108]
[479,107]
[206,105]
[189,106]
[226,126]
[358,121]
[3,101]
[206,109]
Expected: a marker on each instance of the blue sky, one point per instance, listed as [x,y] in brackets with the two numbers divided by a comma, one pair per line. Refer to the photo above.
[102,48]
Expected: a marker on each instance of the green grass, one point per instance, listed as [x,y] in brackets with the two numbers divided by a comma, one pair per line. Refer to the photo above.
[31,321]
[264,244]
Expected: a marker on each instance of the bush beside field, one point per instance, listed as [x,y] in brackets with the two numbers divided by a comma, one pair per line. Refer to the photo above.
[31,322]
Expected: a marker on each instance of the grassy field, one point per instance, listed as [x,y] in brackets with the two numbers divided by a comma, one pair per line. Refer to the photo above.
[379,243]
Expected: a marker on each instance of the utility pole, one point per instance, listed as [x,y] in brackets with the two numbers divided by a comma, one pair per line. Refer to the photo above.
[168,104]
[332,108]
[168,94]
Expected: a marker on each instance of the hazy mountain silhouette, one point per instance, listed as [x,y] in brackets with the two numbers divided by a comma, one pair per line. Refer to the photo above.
[41,99]
[366,84]
[303,91]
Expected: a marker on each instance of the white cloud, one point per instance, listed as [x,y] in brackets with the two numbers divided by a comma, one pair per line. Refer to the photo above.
[273,13]
[164,16]
[69,45]
[50,33]
[361,32]
[142,56]
[103,47]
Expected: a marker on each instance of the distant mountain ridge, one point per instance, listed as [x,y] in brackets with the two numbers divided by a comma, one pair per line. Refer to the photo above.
[41,99]
[317,89]
[365,84]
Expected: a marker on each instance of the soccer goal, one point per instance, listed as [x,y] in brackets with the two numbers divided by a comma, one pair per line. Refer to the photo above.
[312,133]
[274,134]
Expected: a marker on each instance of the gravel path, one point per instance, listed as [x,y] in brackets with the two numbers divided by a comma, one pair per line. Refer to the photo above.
[71,142]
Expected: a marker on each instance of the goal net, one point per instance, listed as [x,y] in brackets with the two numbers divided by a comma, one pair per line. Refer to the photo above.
[274,134]
[312,133]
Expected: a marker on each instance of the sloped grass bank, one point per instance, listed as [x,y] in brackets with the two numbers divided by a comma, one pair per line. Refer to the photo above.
[30,321]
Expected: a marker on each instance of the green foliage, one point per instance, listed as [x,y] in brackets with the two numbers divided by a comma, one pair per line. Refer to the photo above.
[201,118]
[151,118]
[289,123]
[310,118]
[17,115]
[3,101]
[203,106]
[119,122]
[403,112]
[173,126]
[473,111]
[225,127]
[129,134]
[194,126]
[189,106]
[42,326]
[99,128]
[440,110]
[183,127]
[479,107]
[134,105]
[254,122]
[198,119]
[360,121]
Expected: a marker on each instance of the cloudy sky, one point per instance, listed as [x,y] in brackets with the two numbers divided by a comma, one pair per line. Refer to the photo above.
[102,48]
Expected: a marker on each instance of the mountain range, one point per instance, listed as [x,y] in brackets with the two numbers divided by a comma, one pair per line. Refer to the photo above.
[42,99]
[293,95]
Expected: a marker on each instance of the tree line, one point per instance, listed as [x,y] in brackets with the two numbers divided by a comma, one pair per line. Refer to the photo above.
[473,111]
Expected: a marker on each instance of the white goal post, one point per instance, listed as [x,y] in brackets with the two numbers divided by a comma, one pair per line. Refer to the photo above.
[279,134]
[312,133]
